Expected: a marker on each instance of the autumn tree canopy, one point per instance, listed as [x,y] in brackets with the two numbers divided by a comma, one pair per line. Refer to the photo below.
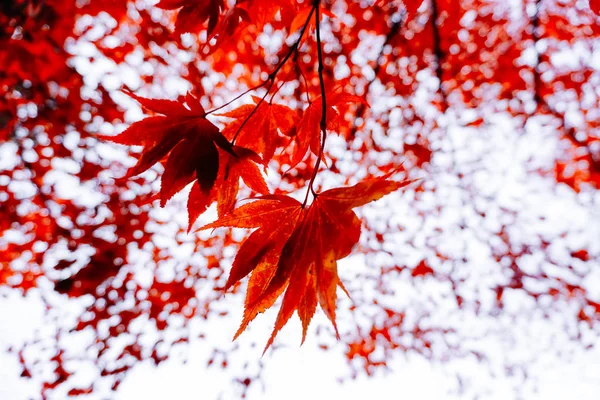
[399,167]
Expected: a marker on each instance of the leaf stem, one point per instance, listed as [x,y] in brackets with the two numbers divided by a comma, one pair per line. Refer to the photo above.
[323,122]
[275,92]
[300,73]
[440,54]
[262,99]
[253,88]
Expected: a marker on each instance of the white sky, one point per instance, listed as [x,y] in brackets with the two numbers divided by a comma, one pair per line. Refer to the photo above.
[294,372]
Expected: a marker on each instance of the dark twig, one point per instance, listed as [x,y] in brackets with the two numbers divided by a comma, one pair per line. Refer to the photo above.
[440,54]
[237,97]
[535,35]
[540,101]
[360,110]
[272,75]
[323,122]
[300,73]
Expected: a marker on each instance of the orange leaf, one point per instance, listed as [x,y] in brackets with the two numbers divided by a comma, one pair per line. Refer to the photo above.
[233,21]
[309,129]
[197,203]
[422,269]
[264,12]
[300,19]
[243,165]
[595,6]
[261,131]
[192,144]
[194,13]
[275,217]
[295,249]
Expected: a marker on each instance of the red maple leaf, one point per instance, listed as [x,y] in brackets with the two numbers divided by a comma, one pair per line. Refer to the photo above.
[233,21]
[196,150]
[277,13]
[595,6]
[302,16]
[183,132]
[232,168]
[297,248]
[244,165]
[261,128]
[194,13]
[422,269]
[309,130]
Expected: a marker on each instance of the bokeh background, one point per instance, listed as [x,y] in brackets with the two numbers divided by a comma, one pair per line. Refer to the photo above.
[480,280]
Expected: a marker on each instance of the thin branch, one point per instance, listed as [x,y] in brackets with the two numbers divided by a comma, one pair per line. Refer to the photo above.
[535,35]
[300,73]
[360,111]
[273,74]
[440,54]
[323,122]
[237,97]
[276,91]
[252,113]
[540,101]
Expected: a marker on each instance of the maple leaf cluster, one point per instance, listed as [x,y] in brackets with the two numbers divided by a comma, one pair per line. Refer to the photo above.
[195,150]
[297,256]
[295,246]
